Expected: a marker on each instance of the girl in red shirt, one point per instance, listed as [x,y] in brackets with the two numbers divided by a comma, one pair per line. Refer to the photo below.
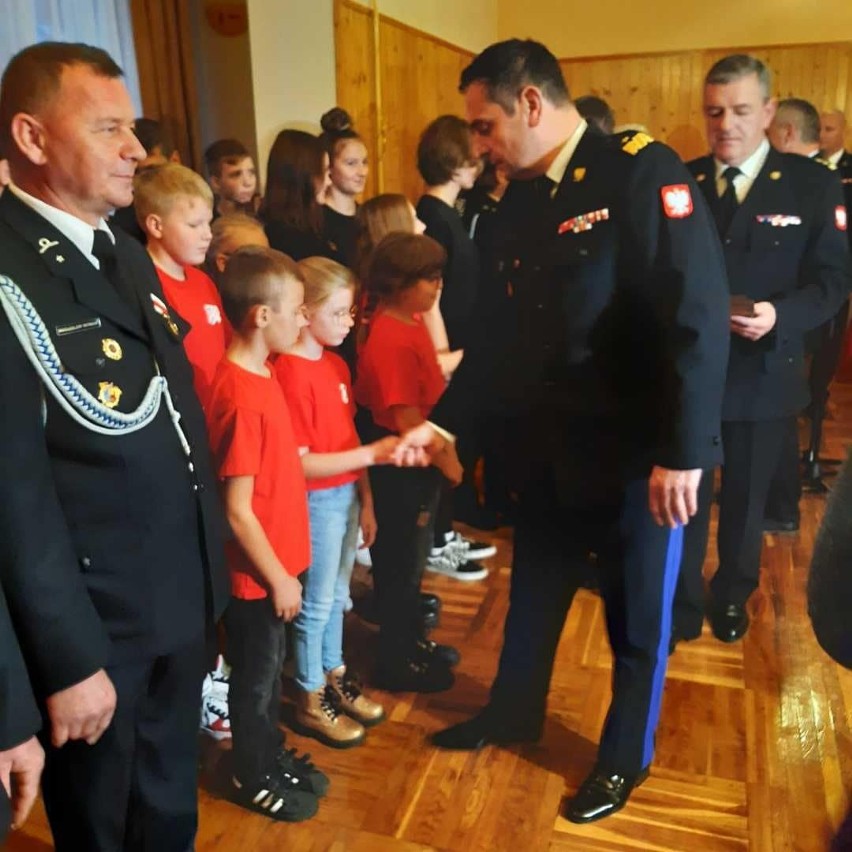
[399,381]
[331,706]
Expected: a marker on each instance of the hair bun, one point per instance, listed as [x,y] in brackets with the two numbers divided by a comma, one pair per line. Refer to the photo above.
[336,120]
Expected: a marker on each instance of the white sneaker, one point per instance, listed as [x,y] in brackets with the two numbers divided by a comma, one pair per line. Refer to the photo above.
[362,554]
[451,563]
[215,721]
[465,547]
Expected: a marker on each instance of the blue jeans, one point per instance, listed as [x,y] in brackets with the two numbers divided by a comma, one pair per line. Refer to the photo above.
[318,629]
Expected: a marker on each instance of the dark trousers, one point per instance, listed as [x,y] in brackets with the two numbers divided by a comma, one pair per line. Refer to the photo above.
[688,614]
[405,501]
[638,564]
[785,491]
[136,788]
[256,652]
[752,451]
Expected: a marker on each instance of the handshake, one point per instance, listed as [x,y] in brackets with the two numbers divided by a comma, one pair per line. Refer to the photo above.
[423,445]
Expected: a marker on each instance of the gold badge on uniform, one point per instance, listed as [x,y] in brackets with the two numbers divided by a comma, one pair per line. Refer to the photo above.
[774,175]
[579,174]
[112,349]
[634,144]
[700,178]
[109,394]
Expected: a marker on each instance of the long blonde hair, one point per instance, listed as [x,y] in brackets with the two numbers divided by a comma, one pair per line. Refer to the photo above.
[323,277]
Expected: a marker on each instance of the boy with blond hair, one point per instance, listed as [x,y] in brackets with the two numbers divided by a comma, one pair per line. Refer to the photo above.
[258,463]
[174,206]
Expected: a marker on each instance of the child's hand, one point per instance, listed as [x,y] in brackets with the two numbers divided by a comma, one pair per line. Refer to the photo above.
[287,597]
[383,449]
[448,463]
[369,527]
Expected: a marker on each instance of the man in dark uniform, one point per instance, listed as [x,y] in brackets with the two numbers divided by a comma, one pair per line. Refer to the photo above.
[21,755]
[112,561]
[783,227]
[611,372]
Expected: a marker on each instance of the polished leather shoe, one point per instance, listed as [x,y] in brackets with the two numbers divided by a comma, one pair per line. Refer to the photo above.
[484,729]
[773,525]
[601,795]
[729,622]
[429,602]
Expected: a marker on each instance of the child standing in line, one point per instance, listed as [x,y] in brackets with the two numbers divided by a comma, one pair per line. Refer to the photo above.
[174,206]
[257,460]
[399,381]
[331,706]
[233,178]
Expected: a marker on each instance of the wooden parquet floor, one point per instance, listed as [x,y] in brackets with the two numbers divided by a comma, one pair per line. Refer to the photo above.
[753,752]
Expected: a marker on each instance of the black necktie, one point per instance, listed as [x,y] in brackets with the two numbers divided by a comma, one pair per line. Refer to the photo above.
[104,250]
[728,201]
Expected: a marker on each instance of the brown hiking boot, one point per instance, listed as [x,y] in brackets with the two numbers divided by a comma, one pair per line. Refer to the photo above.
[352,700]
[320,715]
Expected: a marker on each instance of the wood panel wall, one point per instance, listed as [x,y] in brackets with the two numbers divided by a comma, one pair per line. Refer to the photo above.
[419,79]
[663,90]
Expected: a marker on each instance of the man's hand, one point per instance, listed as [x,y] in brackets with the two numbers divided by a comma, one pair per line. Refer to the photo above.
[417,445]
[82,711]
[447,461]
[20,771]
[673,495]
[753,328]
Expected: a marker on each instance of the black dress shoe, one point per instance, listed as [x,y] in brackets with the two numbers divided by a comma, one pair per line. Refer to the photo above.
[729,622]
[429,602]
[773,525]
[680,636]
[485,728]
[601,795]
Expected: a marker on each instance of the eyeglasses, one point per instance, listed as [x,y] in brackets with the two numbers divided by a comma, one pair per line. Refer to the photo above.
[340,316]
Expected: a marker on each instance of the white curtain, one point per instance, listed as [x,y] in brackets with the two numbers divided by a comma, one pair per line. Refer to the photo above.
[103,23]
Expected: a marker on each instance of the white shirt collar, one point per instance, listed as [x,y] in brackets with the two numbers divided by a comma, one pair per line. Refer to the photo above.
[81,233]
[750,167]
[560,164]
[834,158]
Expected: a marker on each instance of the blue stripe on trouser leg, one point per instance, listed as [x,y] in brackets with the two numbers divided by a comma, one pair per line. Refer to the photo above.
[674,551]
[640,563]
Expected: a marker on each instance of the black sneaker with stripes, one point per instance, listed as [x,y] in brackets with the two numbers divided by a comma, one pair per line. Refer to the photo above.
[275,797]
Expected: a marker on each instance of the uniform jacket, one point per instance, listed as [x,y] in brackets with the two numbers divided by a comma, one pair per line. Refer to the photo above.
[787,245]
[111,544]
[844,167]
[611,344]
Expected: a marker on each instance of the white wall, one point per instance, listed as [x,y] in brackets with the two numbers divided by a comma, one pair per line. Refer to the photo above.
[292,64]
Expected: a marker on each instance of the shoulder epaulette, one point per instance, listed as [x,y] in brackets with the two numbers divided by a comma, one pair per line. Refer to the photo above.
[633,144]
[827,163]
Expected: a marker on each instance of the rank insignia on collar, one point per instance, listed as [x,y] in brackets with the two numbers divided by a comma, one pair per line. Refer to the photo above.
[778,220]
[634,144]
[677,200]
[112,349]
[583,222]
[109,394]
[579,174]
[45,244]
[161,308]
[840,217]
[774,175]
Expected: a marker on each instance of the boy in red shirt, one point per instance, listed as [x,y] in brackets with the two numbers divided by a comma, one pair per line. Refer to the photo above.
[174,206]
[258,462]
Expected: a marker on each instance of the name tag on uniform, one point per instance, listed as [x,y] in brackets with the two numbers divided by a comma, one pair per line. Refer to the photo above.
[583,222]
[74,327]
[778,220]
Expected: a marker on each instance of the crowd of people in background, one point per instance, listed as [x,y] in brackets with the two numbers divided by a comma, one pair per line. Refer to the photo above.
[335,342]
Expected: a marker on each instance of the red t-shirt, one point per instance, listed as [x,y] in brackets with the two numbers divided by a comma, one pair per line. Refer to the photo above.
[251,435]
[319,396]
[197,301]
[398,365]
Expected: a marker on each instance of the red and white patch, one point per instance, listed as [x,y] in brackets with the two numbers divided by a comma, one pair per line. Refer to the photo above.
[677,201]
[840,217]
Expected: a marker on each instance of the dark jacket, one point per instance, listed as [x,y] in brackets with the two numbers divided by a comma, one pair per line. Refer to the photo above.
[802,267]
[112,544]
[613,328]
